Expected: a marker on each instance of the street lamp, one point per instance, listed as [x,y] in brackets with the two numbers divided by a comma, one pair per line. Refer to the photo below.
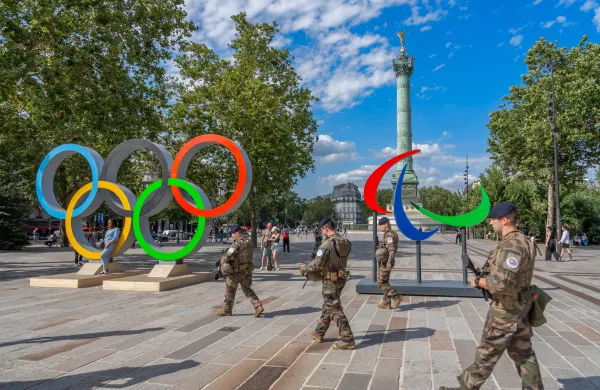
[466,175]
[551,110]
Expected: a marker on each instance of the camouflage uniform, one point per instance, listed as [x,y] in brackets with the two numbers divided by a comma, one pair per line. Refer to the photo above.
[507,325]
[331,258]
[385,258]
[239,257]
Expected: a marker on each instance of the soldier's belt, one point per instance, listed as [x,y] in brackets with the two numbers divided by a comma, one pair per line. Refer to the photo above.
[334,276]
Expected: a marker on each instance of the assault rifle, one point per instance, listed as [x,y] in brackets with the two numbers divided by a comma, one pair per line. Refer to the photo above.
[483,272]
[217,266]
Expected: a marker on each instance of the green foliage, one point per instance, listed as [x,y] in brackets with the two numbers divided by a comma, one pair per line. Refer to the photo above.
[256,100]
[521,140]
[13,232]
[384,196]
[317,209]
[439,200]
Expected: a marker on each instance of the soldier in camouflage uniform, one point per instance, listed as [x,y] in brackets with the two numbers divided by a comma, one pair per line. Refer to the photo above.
[237,266]
[331,260]
[385,258]
[507,326]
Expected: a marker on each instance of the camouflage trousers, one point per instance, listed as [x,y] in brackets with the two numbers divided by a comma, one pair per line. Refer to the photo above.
[383,277]
[243,279]
[504,330]
[332,310]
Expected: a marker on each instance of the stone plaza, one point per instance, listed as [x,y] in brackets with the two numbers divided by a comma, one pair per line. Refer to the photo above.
[55,338]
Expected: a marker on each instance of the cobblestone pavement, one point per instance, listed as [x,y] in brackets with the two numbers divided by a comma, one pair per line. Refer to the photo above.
[90,338]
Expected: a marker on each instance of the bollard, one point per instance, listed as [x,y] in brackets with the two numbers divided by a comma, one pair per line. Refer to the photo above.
[464,252]
[374,246]
[418,261]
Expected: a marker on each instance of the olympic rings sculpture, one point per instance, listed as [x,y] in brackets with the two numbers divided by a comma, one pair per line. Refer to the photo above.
[136,212]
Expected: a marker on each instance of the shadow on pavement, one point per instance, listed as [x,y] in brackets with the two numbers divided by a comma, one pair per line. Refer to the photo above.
[427,305]
[375,337]
[91,380]
[289,312]
[84,336]
[585,383]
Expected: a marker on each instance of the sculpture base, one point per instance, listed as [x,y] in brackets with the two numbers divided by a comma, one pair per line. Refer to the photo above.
[163,277]
[435,288]
[88,276]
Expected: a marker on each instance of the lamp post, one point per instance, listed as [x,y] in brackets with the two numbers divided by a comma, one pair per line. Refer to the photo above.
[466,175]
[551,110]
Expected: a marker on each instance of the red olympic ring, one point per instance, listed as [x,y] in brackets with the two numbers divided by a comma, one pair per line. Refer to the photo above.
[239,188]
[373,181]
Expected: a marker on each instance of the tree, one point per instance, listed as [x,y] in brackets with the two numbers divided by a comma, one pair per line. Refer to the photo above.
[439,200]
[521,140]
[317,209]
[255,100]
[13,232]
[84,72]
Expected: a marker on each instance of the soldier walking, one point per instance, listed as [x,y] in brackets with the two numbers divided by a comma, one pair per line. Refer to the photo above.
[385,258]
[330,261]
[237,265]
[507,326]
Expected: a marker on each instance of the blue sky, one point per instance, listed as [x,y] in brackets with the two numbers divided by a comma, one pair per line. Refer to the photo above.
[468,53]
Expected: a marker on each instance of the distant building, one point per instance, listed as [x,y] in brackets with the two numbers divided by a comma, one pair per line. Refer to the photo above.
[346,199]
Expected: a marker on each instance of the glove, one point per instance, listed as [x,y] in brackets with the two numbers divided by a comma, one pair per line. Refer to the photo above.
[302,270]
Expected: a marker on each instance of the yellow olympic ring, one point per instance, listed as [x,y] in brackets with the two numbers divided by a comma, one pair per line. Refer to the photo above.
[95,255]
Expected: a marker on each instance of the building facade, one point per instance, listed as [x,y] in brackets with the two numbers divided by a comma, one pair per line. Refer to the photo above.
[346,199]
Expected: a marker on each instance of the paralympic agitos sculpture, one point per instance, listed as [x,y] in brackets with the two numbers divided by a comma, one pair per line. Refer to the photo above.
[136,212]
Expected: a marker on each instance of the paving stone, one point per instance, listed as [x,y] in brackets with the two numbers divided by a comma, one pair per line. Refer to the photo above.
[326,375]
[30,381]
[197,324]
[417,357]
[57,350]
[81,361]
[465,349]
[292,330]
[351,381]
[441,341]
[417,380]
[585,331]
[588,368]
[269,350]
[298,373]
[387,374]
[236,355]
[563,347]
[198,345]
[202,377]
[236,375]
[571,379]
[549,357]
[263,378]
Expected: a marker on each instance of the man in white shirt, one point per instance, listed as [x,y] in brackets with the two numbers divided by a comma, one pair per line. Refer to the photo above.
[564,244]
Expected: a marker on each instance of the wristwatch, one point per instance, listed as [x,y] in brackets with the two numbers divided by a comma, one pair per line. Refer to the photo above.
[477,278]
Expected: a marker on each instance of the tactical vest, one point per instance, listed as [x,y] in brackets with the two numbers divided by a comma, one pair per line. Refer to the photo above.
[243,259]
[338,257]
[525,272]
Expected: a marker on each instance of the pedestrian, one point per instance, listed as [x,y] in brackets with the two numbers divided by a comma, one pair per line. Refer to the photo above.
[385,258]
[93,238]
[285,233]
[237,265]
[331,259]
[35,234]
[265,245]
[565,244]
[458,236]
[275,238]
[507,326]
[345,232]
[298,231]
[306,232]
[111,236]
[550,244]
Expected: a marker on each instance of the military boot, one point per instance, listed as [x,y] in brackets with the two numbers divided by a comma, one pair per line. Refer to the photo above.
[344,345]
[385,306]
[222,313]
[396,301]
[318,338]
[258,311]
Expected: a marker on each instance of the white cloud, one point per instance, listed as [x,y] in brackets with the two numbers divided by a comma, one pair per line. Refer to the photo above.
[456,181]
[451,54]
[596,19]
[415,19]
[516,40]
[433,55]
[386,152]
[501,44]
[448,32]
[566,3]
[445,135]
[427,150]
[425,28]
[448,44]
[536,2]
[589,5]
[357,176]
[451,3]
[560,20]
[462,8]
[440,66]
[328,150]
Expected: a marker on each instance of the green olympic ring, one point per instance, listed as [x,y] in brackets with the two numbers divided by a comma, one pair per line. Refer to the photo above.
[170,256]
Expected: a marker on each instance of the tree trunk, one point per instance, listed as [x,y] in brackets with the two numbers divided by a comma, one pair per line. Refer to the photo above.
[550,217]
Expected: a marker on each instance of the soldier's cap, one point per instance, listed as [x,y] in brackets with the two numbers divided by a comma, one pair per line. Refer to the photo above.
[383,221]
[325,221]
[235,228]
[501,209]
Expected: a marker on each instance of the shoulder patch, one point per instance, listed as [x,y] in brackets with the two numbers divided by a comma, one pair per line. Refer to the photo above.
[231,250]
[512,262]
[390,240]
[320,252]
